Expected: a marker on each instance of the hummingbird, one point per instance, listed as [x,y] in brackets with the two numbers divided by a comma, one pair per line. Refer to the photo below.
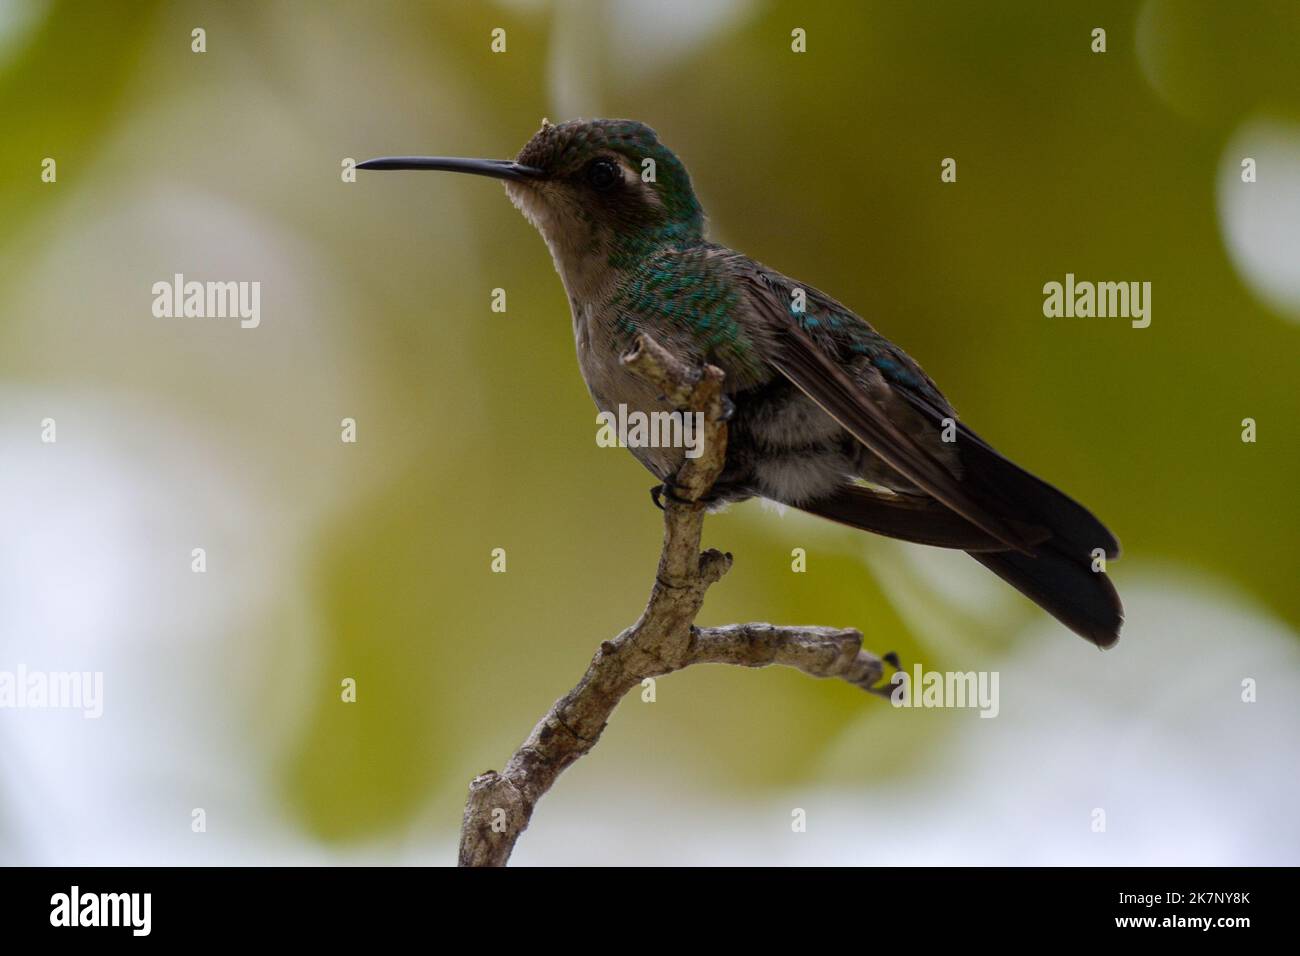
[827,415]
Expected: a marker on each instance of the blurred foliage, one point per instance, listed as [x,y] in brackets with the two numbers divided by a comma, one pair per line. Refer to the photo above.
[478,432]
[59,91]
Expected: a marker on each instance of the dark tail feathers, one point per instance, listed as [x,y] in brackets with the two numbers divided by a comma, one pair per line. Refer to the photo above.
[1062,583]
[1080,598]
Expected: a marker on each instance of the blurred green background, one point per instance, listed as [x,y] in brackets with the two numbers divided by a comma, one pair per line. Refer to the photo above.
[330,560]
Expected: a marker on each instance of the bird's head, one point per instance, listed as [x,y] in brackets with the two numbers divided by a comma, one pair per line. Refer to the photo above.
[597,190]
[605,176]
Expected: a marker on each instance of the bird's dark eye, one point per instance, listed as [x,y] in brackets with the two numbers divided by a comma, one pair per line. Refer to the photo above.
[603,174]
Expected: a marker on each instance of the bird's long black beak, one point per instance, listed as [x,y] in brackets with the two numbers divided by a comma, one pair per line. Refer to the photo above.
[496,168]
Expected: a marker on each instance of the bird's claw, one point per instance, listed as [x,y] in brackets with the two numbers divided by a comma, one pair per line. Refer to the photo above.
[665,490]
[886,689]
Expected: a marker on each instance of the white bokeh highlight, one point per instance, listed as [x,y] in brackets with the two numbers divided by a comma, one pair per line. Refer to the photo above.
[1260,221]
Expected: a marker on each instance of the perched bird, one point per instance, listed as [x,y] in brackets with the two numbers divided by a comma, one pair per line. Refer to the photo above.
[830,417]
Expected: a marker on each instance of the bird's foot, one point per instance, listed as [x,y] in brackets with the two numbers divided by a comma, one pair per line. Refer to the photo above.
[886,689]
[666,490]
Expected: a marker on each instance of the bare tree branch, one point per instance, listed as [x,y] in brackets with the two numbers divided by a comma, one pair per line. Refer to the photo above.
[664,639]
